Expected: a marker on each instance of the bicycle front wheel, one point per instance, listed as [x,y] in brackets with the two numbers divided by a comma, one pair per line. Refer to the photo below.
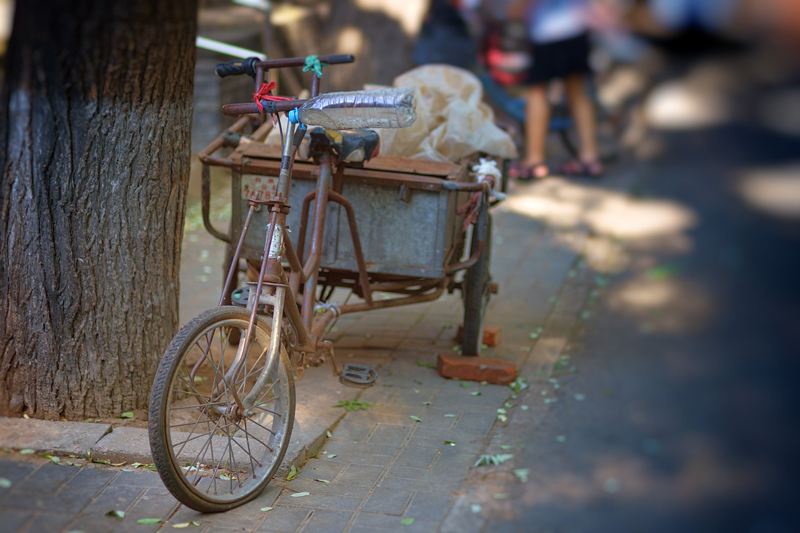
[211,453]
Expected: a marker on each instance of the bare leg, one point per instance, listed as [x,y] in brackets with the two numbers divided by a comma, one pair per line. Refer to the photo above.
[537,119]
[582,109]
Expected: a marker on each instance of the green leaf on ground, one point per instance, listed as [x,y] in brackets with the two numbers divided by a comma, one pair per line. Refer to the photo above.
[450,416]
[522,474]
[292,473]
[501,496]
[475,508]
[331,455]
[450,442]
[27,451]
[300,494]
[406,521]
[475,393]
[353,405]
[5,483]
[56,460]
[465,384]
[426,364]
[148,521]
[328,433]
[518,384]
[426,403]
[119,515]
[265,509]
[126,414]
[415,418]
[101,461]
[505,447]
[663,272]
[496,460]
[323,481]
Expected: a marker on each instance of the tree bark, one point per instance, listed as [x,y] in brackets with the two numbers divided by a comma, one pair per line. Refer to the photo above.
[95,134]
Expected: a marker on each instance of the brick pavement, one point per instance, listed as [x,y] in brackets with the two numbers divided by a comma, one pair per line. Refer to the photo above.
[379,466]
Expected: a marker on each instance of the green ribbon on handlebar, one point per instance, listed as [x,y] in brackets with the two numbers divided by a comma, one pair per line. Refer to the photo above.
[315,65]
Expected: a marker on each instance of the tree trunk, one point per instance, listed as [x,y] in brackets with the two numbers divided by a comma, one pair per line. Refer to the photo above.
[95,136]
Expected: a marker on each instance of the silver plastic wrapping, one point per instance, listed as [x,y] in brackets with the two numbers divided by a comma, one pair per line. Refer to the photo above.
[381,108]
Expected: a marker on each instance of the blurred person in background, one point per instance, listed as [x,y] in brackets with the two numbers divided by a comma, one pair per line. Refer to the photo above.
[557,36]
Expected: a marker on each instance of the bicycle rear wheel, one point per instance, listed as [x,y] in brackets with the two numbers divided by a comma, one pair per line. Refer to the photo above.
[211,456]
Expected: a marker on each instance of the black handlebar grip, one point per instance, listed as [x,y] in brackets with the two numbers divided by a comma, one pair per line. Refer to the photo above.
[237,67]
[337,59]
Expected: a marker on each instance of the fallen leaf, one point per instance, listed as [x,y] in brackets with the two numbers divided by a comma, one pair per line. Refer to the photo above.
[426,403]
[475,508]
[26,417]
[148,521]
[331,455]
[505,447]
[323,481]
[450,442]
[522,474]
[450,416]
[265,509]
[300,494]
[415,418]
[5,483]
[126,414]
[426,364]
[27,451]
[328,433]
[501,496]
[475,393]
[56,460]
[406,521]
[465,384]
[292,473]
[119,515]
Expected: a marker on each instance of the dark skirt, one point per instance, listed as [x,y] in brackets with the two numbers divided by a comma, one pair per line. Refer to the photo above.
[559,59]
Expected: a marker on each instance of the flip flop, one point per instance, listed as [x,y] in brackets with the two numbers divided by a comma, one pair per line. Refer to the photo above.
[524,172]
[591,169]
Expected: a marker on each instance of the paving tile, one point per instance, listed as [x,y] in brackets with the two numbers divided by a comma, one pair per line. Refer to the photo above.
[139,478]
[369,448]
[320,468]
[284,519]
[64,501]
[336,488]
[14,519]
[153,504]
[387,501]
[390,434]
[47,479]
[117,497]
[471,421]
[327,521]
[90,480]
[365,522]
[437,443]
[418,457]
[362,475]
[429,506]
[323,501]
[352,429]
[16,472]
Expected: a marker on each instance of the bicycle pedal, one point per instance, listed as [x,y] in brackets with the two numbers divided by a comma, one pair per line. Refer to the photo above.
[358,376]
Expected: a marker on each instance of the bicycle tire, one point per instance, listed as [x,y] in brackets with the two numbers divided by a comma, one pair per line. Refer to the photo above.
[177,402]
[476,287]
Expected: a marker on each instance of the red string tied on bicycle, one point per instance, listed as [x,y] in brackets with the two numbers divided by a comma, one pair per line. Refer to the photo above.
[263,94]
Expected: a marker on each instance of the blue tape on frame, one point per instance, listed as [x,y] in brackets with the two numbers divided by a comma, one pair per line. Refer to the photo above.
[293,116]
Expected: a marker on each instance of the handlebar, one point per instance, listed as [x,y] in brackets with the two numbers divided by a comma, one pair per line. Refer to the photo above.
[234,110]
[250,65]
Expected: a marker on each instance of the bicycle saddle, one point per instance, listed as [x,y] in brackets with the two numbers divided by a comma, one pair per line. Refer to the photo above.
[353,146]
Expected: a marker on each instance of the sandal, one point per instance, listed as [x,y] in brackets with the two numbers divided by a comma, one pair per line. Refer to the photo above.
[591,169]
[526,172]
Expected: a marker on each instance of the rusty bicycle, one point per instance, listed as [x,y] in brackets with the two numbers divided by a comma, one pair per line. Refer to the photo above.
[223,400]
